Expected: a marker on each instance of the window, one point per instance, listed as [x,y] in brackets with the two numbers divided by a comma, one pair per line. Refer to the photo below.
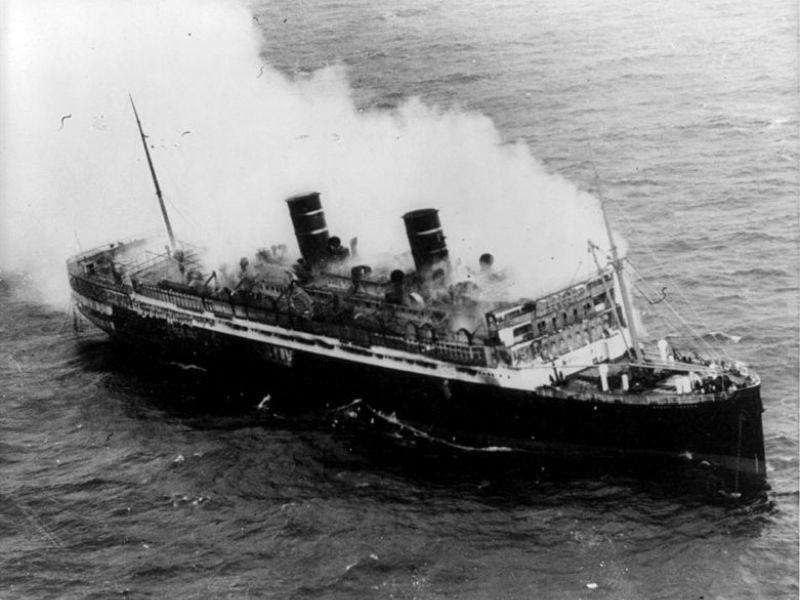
[522,329]
[600,298]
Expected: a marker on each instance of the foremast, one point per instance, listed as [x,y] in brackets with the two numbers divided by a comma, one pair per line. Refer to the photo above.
[616,265]
[155,179]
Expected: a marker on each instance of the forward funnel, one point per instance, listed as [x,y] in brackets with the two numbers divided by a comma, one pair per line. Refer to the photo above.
[310,227]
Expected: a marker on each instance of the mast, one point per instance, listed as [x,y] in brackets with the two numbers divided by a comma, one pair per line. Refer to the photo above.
[155,179]
[616,263]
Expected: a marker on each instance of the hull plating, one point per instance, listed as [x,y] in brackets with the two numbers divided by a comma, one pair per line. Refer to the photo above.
[725,433]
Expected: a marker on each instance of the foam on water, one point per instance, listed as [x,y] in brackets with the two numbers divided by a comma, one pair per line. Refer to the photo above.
[352,411]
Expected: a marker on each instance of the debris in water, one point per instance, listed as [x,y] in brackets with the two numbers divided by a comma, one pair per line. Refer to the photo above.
[64,118]
[539,479]
[186,367]
[591,586]
[179,459]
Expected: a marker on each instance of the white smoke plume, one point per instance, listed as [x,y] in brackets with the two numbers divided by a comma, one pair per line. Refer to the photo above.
[231,138]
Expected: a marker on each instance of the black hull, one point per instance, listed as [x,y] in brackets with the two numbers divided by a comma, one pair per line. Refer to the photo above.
[724,434]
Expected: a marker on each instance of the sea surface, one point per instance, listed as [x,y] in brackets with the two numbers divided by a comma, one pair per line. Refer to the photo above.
[121,478]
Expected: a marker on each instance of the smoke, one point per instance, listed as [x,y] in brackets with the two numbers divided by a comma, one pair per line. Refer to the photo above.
[231,138]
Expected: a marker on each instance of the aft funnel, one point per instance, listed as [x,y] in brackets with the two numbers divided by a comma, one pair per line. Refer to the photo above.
[426,238]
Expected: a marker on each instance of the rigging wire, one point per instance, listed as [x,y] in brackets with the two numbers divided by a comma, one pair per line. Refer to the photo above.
[693,334]
[192,222]
[575,274]
[188,219]
[680,326]
[716,352]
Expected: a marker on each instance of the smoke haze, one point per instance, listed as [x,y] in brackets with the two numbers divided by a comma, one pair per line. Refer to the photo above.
[231,138]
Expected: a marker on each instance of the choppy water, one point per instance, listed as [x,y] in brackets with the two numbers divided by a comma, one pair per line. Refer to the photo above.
[124,479]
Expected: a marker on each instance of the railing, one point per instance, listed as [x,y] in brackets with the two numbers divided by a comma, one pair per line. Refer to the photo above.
[424,344]
[151,260]
[159,259]
[105,291]
[423,341]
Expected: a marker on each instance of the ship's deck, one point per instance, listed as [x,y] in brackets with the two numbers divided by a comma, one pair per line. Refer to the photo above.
[138,266]
[656,384]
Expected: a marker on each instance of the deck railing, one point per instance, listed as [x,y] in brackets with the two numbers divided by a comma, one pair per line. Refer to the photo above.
[421,339]
[269,313]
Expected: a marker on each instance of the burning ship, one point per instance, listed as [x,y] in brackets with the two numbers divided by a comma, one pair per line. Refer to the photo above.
[564,375]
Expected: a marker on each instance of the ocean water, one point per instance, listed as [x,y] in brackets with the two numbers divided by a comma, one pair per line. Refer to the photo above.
[123,478]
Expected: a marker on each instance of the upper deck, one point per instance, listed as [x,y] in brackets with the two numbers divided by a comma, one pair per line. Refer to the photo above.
[561,332]
[520,333]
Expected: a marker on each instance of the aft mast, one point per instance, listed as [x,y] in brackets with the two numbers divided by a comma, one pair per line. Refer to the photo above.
[616,263]
[155,179]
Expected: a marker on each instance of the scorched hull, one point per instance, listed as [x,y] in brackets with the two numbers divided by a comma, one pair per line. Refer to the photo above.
[549,422]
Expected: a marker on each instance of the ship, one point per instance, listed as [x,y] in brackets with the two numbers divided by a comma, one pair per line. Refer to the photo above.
[565,375]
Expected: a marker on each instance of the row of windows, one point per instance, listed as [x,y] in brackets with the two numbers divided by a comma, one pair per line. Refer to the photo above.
[589,295]
[569,339]
[418,340]
[553,323]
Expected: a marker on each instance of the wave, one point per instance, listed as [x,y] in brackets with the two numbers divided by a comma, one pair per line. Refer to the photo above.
[638,182]
[729,298]
[761,272]
[721,336]
[353,409]
[710,336]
